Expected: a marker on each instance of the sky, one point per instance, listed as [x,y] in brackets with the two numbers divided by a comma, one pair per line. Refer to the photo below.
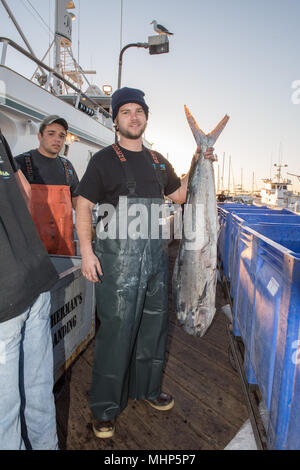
[235,57]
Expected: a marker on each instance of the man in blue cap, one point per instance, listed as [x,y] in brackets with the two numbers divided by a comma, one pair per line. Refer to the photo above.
[132,295]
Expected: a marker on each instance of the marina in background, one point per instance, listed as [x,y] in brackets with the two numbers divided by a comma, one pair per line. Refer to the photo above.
[276,191]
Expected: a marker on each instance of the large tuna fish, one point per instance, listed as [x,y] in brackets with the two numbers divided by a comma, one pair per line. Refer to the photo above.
[195,270]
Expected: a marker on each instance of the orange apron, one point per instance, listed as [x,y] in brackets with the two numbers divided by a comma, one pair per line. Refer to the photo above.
[51,210]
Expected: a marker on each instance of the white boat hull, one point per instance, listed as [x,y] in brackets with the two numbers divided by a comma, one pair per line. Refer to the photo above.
[23,105]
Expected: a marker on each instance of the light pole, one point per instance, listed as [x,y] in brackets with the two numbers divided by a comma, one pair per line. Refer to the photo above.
[145,45]
[156,45]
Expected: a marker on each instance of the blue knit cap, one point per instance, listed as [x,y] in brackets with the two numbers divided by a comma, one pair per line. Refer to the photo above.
[127,95]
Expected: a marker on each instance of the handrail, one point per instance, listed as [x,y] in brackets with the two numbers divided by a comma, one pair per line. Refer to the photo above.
[54,73]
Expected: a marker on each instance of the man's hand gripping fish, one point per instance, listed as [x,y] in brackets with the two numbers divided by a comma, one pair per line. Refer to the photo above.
[195,270]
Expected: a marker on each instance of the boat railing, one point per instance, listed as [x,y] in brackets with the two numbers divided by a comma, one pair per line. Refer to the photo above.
[51,74]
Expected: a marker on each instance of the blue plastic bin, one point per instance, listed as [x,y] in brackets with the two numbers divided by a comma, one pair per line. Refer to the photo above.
[224,212]
[229,219]
[238,219]
[267,317]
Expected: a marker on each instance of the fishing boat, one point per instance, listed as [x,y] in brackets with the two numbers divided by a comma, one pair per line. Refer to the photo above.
[25,102]
[277,191]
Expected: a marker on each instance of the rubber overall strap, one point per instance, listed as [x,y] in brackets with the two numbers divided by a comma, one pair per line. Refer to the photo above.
[66,168]
[130,181]
[157,167]
[28,163]
[29,170]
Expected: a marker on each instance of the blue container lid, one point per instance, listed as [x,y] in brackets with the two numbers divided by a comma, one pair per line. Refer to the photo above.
[286,235]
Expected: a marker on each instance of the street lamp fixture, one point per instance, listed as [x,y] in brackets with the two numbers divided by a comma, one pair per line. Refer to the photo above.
[158,44]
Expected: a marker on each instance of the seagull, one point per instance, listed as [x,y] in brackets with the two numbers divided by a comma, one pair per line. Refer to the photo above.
[160,29]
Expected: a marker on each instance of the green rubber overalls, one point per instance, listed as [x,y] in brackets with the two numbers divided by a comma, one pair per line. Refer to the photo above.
[132,306]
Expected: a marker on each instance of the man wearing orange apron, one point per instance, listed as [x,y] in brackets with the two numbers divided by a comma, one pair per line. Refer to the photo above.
[53,183]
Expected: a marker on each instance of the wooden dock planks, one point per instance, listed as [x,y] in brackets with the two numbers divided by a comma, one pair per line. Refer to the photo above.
[209,404]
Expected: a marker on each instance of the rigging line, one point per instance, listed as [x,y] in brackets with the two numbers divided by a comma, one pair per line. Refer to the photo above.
[49,4]
[78,47]
[41,18]
[32,14]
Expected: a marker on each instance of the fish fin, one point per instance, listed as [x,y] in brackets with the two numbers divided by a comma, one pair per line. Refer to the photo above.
[197,132]
[213,135]
[200,136]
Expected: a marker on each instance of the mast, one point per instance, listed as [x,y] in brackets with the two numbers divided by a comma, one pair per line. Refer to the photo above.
[232,174]
[223,171]
[63,35]
[279,166]
[241,179]
[64,61]
[229,174]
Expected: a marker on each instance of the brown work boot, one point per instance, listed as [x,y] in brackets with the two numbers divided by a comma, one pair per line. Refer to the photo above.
[163,402]
[104,429]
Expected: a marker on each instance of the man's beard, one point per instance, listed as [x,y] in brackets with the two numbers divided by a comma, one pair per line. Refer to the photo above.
[131,134]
